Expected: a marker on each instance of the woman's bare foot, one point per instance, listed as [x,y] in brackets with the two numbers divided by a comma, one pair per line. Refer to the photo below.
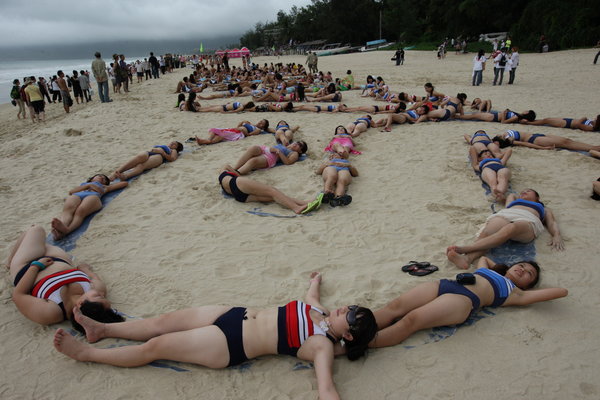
[386,129]
[59,229]
[315,277]
[460,260]
[69,346]
[94,330]
[201,141]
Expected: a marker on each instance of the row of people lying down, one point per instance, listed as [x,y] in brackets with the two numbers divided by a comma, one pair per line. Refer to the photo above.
[86,199]
[222,336]
[490,161]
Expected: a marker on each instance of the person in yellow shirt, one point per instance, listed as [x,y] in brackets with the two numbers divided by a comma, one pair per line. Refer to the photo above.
[36,99]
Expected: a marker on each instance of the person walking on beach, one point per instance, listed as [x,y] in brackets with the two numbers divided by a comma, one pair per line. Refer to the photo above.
[77,92]
[99,71]
[44,88]
[35,98]
[478,67]
[15,94]
[514,58]
[64,91]
[499,64]
[124,72]
[84,82]
[154,65]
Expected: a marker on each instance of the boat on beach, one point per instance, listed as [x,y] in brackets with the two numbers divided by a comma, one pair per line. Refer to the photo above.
[333,48]
[375,45]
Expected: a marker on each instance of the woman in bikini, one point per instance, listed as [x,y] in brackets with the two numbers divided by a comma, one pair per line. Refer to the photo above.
[450,107]
[330,93]
[540,141]
[48,285]
[410,116]
[284,134]
[331,108]
[479,142]
[259,157]
[228,108]
[341,143]
[432,96]
[493,171]
[83,200]
[481,105]
[522,220]
[147,160]
[223,336]
[451,302]
[337,175]
[584,123]
[244,128]
[361,125]
[387,109]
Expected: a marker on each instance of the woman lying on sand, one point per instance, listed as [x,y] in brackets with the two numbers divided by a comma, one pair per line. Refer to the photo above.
[341,143]
[228,108]
[481,105]
[522,220]
[244,190]
[540,141]
[504,117]
[361,125]
[147,160]
[570,123]
[329,93]
[451,106]
[337,174]
[479,142]
[450,302]
[314,108]
[284,134]
[83,200]
[244,128]
[410,116]
[387,109]
[493,171]
[48,286]
[259,157]
[223,336]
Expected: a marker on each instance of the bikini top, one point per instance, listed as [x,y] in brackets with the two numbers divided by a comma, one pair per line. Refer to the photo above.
[452,104]
[286,152]
[166,148]
[49,287]
[485,135]
[502,286]
[279,126]
[588,122]
[331,108]
[539,207]
[489,160]
[295,326]
[413,114]
[515,135]
[236,105]
[510,114]
[249,127]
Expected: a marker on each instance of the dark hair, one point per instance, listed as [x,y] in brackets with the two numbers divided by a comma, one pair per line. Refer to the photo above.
[597,123]
[349,72]
[339,126]
[179,147]
[300,96]
[502,268]
[15,81]
[462,97]
[480,53]
[426,108]
[190,102]
[102,175]
[180,99]
[537,194]
[97,54]
[502,142]
[248,105]
[303,147]
[97,312]
[363,331]
[266,124]
[429,85]
[289,107]
[331,88]
[401,107]
[529,115]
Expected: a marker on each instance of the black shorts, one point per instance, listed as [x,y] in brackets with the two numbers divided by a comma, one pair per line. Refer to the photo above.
[140,74]
[38,106]
[235,191]
[230,324]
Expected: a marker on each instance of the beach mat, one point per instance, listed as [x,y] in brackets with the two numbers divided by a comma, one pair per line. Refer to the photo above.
[512,252]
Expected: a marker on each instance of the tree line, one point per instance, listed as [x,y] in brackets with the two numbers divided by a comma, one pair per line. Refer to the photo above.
[565,24]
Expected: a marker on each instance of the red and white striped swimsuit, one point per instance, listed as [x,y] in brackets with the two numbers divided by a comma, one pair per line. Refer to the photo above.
[49,287]
[294,326]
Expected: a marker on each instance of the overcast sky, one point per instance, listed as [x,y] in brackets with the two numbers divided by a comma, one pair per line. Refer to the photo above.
[35,22]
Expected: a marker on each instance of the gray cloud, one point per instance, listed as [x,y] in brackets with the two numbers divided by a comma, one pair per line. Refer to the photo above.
[39,22]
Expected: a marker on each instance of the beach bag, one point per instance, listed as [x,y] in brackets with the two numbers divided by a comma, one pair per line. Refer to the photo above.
[502,61]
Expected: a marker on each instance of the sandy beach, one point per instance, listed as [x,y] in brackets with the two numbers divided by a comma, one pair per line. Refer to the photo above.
[172,240]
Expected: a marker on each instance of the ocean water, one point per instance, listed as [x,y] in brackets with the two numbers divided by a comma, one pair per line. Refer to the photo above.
[11,70]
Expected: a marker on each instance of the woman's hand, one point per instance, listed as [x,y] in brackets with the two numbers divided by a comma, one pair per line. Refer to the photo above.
[557,243]
[97,188]
[47,261]
[315,277]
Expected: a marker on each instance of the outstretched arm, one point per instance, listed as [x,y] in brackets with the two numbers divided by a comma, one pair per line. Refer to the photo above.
[532,145]
[524,297]
[506,156]
[550,221]
[313,296]
[96,282]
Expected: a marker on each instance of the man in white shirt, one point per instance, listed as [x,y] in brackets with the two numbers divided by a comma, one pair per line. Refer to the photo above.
[500,62]
[514,58]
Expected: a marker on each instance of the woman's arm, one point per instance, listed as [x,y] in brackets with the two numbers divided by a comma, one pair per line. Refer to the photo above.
[37,310]
[485,262]
[116,186]
[96,282]
[287,160]
[81,188]
[550,221]
[473,158]
[532,145]
[520,297]
[321,168]
[313,296]
[353,170]
[506,156]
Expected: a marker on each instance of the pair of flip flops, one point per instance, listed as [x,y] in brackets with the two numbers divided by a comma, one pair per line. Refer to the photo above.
[314,205]
[337,201]
[416,268]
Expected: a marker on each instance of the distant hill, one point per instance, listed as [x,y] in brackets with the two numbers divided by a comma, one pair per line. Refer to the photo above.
[136,48]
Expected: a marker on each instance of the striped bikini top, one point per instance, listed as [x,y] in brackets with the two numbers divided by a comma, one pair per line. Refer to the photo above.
[295,326]
[49,287]
[503,286]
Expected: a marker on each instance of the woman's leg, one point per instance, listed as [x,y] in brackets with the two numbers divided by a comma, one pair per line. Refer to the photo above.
[406,302]
[264,193]
[204,346]
[133,162]
[503,177]
[212,139]
[71,204]
[489,176]
[153,161]
[30,245]
[344,179]
[447,309]
[330,176]
[565,143]
[251,159]
[87,206]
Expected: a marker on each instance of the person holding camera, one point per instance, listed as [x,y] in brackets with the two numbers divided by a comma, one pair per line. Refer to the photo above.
[450,302]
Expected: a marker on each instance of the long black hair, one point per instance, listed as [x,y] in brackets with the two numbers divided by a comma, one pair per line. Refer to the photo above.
[502,268]
[97,312]
[363,331]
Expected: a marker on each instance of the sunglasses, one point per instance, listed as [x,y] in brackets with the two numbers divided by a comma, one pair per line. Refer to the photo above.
[351,316]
